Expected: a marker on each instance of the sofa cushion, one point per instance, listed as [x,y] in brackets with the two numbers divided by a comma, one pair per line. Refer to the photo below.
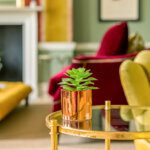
[143,58]
[135,83]
[142,144]
[115,40]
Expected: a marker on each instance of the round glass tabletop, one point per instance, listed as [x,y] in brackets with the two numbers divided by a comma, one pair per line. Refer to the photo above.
[118,123]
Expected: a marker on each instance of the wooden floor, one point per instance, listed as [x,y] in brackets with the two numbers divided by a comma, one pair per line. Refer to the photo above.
[24,129]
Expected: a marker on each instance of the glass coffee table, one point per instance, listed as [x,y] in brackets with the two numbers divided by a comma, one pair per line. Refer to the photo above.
[109,122]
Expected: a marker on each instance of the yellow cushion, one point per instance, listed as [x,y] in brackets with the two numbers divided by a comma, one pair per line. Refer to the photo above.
[135,79]
[136,88]
[146,121]
[143,58]
[135,83]
[10,95]
[126,113]
[142,144]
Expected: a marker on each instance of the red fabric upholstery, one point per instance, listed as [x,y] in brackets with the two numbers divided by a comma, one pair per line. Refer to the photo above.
[115,40]
[103,66]
[106,70]
[54,88]
[108,82]
[106,57]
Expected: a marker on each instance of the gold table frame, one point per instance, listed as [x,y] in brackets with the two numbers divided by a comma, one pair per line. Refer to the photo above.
[55,129]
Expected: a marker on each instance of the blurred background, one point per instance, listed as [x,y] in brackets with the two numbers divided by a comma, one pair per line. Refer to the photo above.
[64,29]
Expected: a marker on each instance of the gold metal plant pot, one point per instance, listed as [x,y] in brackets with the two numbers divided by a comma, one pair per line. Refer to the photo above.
[76,105]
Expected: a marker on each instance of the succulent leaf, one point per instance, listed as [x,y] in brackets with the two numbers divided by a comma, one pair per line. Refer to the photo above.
[78,79]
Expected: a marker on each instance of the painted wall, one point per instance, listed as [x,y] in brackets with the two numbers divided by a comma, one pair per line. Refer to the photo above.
[87,27]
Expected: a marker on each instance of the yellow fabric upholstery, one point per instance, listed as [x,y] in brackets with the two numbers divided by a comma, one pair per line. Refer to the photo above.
[142,144]
[135,83]
[126,114]
[143,58]
[135,79]
[10,95]
[58,24]
[135,43]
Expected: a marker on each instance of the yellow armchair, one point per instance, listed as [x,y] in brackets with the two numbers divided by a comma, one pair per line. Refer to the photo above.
[135,80]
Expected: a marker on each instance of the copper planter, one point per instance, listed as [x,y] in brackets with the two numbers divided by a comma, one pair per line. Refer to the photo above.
[76,105]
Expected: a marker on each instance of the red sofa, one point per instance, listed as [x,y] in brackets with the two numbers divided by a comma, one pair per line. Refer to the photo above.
[104,66]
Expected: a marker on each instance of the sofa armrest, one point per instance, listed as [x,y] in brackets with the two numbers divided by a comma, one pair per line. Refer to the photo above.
[56,79]
[103,59]
[53,82]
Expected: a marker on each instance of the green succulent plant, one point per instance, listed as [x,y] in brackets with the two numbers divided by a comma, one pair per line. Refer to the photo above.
[77,80]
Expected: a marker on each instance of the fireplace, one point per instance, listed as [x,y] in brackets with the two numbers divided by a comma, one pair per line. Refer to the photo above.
[11,53]
[18,46]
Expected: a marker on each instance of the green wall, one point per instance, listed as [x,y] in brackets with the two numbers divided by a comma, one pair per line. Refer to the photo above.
[87,27]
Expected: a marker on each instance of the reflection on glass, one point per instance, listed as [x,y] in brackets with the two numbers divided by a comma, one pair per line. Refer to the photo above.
[83,125]
[128,119]
[138,116]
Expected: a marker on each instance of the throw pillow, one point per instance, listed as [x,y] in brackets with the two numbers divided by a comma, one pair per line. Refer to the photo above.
[135,43]
[115,40]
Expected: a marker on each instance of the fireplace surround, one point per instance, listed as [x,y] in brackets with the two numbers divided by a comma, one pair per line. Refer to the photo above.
[27,18]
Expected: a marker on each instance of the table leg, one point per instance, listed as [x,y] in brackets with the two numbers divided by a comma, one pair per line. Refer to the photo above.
[107,122]
[54,135]
[107,144]
[27,101]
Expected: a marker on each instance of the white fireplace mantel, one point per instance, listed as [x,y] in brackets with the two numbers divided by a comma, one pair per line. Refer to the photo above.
[27,17]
